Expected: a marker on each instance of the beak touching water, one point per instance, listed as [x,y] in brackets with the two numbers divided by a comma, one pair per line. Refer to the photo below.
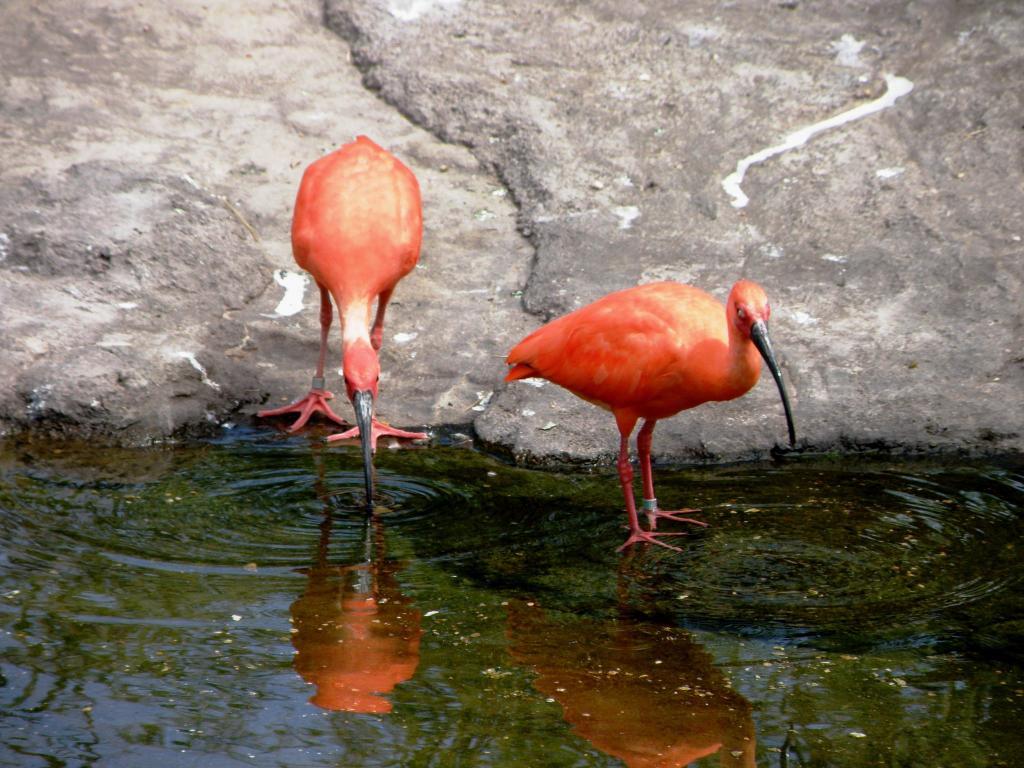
[362,401]
[759,335]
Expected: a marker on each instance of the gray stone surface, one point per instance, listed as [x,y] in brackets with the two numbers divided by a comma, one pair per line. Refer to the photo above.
[891,246]
[149,155]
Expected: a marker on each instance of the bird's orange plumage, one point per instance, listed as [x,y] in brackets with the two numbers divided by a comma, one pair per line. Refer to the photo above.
[357,230]
[648,353]
[357,226]
[655,350]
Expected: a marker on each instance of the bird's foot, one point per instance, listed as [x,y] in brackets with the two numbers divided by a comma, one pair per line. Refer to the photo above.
[378,429]
[654,514]
[649,537]
[314,402]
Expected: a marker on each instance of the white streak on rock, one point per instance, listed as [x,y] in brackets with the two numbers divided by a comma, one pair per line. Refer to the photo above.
[411,10]
[847,50]
[896,87]
[294,284]
[404,338]
[888,173]
[803,318]
[626,214]
[199,367]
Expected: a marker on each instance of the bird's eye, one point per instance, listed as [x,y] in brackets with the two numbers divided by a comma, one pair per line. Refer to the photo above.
[741,313]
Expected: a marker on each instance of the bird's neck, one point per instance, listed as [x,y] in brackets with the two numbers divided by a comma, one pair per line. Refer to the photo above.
[744,368]
[355,324]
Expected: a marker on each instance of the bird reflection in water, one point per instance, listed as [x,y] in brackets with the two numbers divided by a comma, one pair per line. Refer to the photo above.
[648,695]
[356,636]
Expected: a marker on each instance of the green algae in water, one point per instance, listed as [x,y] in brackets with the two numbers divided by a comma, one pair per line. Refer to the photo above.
[229,604]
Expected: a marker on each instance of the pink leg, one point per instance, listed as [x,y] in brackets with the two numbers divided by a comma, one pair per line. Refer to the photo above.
[316,400]
[377,332]
[378,429]
[644,438]
[636,533]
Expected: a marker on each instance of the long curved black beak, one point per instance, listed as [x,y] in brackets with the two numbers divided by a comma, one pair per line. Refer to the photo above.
[362,402]
[759,335]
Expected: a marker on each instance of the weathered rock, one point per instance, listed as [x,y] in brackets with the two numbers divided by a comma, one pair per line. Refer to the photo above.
[150,160]
[891,246]
[114,282]
[150,156]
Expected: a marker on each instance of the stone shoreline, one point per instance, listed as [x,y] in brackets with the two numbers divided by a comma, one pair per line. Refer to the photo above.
[149,157]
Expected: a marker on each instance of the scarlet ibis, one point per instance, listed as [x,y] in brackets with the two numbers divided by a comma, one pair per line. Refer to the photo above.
[648,353]
[356,636]
[646,694]
[357,230]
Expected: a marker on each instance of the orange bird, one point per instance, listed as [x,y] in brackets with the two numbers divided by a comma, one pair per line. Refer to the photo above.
[648,353]
[357,230]
[356,636]
[649,695]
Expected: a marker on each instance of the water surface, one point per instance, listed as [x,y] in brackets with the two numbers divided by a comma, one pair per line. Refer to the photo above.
[230,604]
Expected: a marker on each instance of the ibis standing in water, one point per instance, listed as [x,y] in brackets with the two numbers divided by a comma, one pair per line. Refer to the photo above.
[357,230]
[648,353]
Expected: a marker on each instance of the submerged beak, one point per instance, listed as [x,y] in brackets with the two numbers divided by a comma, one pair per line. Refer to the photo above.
[362,401]
[759,335]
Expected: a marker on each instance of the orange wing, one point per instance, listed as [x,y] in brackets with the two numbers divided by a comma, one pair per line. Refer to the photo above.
[640,348]
[358,223]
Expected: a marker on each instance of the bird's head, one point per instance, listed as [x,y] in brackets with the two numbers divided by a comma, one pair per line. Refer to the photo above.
[361,370]
[748,311]
[748,303]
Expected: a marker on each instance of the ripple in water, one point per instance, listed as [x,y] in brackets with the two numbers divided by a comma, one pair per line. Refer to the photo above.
[251,510]
[871,555]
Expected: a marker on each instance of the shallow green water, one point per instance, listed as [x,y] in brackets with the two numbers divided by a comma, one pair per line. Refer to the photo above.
[228,604]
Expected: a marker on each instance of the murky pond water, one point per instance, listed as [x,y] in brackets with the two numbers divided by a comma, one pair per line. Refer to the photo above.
[229,604]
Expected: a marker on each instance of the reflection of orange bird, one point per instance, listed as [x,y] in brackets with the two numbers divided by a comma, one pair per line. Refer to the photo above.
[648,353]
[356,636]
[647,695]
[357,230]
